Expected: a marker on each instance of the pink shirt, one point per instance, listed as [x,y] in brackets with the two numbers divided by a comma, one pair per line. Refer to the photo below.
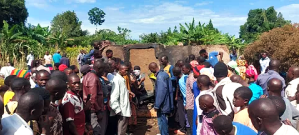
[189,93]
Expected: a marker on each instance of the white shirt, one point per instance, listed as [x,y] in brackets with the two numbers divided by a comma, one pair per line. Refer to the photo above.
[286,130]
[291,91]
[30,58]
[48,59]
[264,64]
[119,98]
[6,71]
[15,125]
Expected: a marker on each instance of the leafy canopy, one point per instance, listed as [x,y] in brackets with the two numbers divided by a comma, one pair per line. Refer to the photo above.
[13,12]
[96,16]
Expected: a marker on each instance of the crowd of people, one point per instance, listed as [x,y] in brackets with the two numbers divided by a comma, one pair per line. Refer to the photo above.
[196,96]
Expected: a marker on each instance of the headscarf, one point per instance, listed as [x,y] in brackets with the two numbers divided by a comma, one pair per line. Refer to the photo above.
[62,67]
[251,72]
[234,65]
[20,73]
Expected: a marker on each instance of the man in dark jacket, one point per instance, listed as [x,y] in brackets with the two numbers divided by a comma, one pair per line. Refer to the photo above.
[164,97]
[92,86]
[64,60]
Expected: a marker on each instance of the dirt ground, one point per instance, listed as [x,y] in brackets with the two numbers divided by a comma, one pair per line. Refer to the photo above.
[148,126]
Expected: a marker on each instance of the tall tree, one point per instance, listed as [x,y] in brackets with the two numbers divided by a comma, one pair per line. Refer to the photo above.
[13,12]
[67,24]
[259,21]
[96,16]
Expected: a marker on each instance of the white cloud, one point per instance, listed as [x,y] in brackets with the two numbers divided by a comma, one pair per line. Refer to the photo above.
[204,3]
[290,12]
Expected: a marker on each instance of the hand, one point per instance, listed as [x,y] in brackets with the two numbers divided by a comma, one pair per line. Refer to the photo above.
[87,105]
[263,96]
[292,98]
[100,116]
[132,94]
[287,122]
[44,123]
[142,79]
[176,98]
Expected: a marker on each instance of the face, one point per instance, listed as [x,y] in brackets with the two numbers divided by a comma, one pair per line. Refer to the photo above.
[238,101]
[163,61]
[256,122]
[47,53]
[205,55]
[109,55]
[74,84]
[185,70]
[152,69]
[290,75]
[123,70]
[42,79]
[264,55]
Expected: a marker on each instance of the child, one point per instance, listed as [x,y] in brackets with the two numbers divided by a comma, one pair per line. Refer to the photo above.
[242,96]
[203,83]
[206,104]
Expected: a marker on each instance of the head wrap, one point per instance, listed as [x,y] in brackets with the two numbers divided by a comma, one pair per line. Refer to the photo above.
[196,70]
[251,72]
[85,68]
[20,73]
[234,65]
[194,63]
[220,70]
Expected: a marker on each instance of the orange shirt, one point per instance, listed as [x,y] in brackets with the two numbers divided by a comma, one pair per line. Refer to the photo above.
[243,117]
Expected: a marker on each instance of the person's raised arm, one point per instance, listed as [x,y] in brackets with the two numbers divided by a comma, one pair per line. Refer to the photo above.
[221,55]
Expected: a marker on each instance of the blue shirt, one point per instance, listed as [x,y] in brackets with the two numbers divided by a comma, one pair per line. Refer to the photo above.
[56,58]
[243,130]
[263,79]
[233,57]
[257,91]
[182,84]
[213,60]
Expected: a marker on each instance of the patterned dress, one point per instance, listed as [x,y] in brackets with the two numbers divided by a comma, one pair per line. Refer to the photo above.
[242,64]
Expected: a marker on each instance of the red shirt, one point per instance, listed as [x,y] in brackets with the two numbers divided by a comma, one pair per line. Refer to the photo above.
[72,110]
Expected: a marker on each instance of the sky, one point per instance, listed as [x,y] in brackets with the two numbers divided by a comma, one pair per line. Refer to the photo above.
[146,16]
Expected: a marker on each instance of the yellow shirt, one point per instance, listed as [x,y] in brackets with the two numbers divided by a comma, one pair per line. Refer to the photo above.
[166,69]
[243,117]
[8,96]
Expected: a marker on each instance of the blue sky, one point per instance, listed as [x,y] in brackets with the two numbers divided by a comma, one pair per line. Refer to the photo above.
[146,16]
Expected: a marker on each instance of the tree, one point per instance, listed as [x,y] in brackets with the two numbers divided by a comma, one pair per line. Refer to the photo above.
[67,24]
[96,16]
[259,21]
[13,12]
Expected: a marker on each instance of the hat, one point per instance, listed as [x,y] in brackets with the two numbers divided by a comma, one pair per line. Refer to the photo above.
[196,70]
[62,67]
[220,70]
[20,73]
[85,68]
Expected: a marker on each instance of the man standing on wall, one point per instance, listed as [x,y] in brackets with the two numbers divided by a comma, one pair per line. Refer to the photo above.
[264,62]
[211,57]
[164,97]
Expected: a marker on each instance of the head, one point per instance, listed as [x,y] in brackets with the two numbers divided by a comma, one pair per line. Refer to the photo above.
[111,65]
[64,55]
[153,67]
[123,70]
[204,53]
[20,86]
[42,78]
[223,125]
[58,51]
[263,114]
[236,79]
[9,79]
[97,54]
[57,88]
[234,51]
[274,65]
[179,63]
[293,73]
[117,63]
[274,87]
[75,69]
[220,71]
[164,60]
[47,52]
[99,67]
[242,96]
[60,75]
[68,71]
[109,53]
[45,95]
[62,67]
[207,64]
[31,52]
[177,72]
[97,44]
[85,69]
[35,63]
[201,59]
[203,82]
[74,83]
[191,57]
[30,106]
[279,103]
[137,71]
[264,55]
[206,103]
[186,68]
